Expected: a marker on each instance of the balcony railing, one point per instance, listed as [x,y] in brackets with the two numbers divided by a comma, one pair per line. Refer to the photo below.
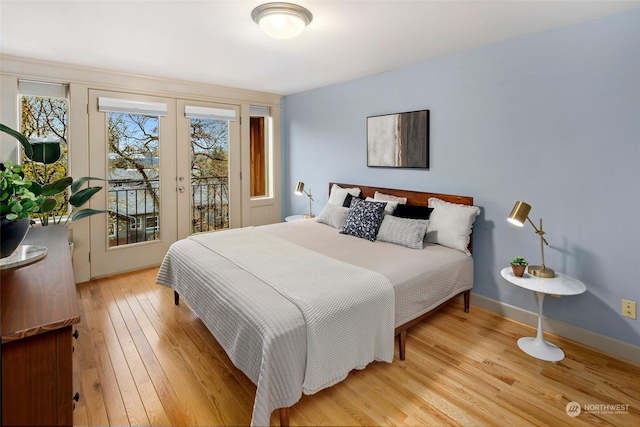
[134,207]
[209,203]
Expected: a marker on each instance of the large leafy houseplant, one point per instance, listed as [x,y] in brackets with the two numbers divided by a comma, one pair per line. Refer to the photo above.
[53,210]
[16,199]
[16,203]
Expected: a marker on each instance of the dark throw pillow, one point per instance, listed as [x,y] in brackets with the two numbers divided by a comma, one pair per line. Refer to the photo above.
[364,219]
[413,212]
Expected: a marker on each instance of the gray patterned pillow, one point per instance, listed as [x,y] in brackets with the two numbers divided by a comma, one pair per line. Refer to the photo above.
[333,215]
[403,231]
[364,219]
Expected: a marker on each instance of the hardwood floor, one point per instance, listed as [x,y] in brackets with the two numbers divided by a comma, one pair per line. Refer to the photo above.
[141,360]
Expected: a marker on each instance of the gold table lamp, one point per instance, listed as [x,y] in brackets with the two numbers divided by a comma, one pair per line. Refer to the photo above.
[300,191]
[519,214]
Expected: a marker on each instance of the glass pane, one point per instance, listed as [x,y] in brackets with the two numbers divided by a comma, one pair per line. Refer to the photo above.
[134,188]
[44,120]
[209,175]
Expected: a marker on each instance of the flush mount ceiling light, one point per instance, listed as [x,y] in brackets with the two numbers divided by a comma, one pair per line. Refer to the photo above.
[281,20]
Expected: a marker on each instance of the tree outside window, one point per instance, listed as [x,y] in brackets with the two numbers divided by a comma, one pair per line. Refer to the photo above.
[45,119]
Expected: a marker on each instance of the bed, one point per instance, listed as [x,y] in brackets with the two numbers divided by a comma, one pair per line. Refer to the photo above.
[298,305]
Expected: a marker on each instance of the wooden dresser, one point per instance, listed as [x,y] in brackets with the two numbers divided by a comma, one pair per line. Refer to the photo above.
[39,308]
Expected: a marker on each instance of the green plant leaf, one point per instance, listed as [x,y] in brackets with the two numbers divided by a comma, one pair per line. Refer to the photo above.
[83,213]
[518,260]
[78,182]
[35,188]
[16,170]
[28,150]
[57,187]
[48,205]
[46,152]
[82,196]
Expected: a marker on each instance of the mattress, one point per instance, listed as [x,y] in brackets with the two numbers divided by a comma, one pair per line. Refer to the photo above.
[421,279]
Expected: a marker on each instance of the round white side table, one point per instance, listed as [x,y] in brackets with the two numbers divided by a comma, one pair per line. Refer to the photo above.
[561,284]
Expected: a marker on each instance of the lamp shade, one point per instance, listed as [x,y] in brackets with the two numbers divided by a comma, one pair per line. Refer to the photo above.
[519,213]
[281,20]
[300,188]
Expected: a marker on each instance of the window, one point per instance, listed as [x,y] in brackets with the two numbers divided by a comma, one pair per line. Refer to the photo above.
[259,151]
[209,139]
[133,166]
[44,120]
[152,222]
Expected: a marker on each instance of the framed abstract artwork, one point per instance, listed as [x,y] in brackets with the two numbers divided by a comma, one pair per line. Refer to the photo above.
[398,140]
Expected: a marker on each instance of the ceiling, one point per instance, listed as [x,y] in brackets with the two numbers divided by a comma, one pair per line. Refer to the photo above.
[217,42]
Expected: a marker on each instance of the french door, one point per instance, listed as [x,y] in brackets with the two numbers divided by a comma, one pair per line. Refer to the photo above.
[170,170]
[208,167]
[133,148]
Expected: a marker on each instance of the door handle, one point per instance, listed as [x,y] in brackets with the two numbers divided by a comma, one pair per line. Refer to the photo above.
[181,189]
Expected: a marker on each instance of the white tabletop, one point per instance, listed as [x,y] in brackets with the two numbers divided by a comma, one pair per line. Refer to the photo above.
[561,284]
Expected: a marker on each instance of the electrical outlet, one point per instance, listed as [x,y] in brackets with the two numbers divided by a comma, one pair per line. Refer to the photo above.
[628,309]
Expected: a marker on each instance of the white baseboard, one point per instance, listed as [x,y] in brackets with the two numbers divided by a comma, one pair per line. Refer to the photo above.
[605,344]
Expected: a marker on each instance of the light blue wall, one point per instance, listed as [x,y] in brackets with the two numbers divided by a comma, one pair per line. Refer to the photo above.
[552,119]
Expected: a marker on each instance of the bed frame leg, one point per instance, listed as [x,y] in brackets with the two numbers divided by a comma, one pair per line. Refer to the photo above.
[467,294]
[402,342]
[176,298]
[284,417]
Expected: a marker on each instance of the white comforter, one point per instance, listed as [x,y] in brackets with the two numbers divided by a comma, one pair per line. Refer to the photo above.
[340,317]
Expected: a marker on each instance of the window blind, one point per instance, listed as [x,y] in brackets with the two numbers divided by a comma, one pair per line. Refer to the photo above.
[144,108]
[257,111]
[194,112]
[43,89]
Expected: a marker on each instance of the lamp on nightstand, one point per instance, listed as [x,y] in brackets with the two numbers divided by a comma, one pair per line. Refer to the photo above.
[519,214]
[299,191]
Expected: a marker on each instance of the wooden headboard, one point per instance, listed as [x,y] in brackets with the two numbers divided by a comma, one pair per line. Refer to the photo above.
[418,198]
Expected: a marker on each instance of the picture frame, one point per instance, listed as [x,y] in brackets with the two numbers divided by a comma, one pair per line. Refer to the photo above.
[399,140]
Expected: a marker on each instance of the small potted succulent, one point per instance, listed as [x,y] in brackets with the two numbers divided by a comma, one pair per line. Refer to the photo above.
[518,265]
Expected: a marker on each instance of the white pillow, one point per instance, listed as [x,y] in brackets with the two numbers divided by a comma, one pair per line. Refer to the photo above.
[450,224]
[338,194]
[389,208]
[333,215]
[389,198]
